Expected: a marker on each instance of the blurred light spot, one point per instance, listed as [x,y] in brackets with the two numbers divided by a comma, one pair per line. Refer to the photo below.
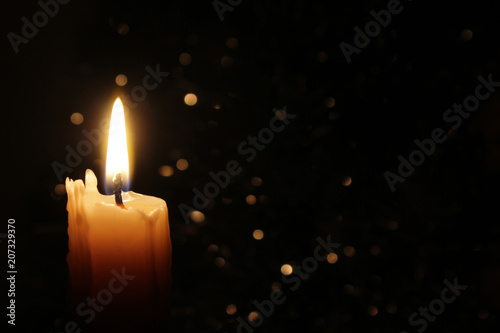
[253,316]
[347,181]
[393,225]
[190,99]
[182,164]
[466,35]
[339,218]
[185,59]
[166,171]
[330,102]
[226,201]
[213,248]
[226,61]
[231,309]
[121,80]
[392,308]
[349,251]
[322,57]
[375,250]
[77,118]
[123,29]
[276,286]
[256,181]
[197,216]
[220,262]
[332,258]
[372,310]
[280,114]
[263,198]
[251,199]
[286,269]
[216,106]
[258,234]
[349,289]
[60,189]
[232,42]
[483,314]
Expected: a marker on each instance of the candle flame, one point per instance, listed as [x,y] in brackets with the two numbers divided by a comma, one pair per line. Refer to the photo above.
[117,154]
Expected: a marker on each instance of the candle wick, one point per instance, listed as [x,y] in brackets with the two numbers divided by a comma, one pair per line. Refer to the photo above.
[117,189]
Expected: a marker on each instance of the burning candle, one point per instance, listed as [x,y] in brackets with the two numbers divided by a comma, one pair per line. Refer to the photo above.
[119,248]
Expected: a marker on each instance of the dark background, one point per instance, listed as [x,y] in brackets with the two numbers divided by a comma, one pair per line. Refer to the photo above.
[441,223]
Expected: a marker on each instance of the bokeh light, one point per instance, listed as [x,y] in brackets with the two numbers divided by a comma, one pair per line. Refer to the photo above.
[349,251]
[346,181]
[258,234]
[182,164]
[123,29]
[77,118]
[185,59]
[375,250]
[256,181]
[231,309]
[280,114]
[286,269]
[166,170]
[391,308]
[197,216]
[121,80]
[190,99]
[393,225]
[372,310]
[253,316]
[466,35]
[251,199]
[220,262]
[60,189]
[213,248]
[232,43]
[276,286]
[330,102]
[332,258]
[226,61]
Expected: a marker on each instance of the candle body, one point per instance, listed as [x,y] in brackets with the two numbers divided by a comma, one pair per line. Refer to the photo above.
[119,259]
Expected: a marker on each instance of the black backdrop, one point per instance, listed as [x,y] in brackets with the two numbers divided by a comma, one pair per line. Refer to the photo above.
[322,175]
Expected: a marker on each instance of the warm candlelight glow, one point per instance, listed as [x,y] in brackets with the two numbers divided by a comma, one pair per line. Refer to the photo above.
[117,154]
